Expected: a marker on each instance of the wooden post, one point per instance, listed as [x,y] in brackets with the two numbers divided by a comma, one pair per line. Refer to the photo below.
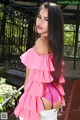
[76,40]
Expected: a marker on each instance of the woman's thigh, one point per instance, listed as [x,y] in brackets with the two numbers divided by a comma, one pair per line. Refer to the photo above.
[48,105]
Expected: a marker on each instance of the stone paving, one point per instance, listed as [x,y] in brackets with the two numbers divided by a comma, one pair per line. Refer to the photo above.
[73,106]
[69,72]
[72,92]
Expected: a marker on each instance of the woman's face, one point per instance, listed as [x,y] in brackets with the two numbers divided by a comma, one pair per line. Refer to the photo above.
[42,22]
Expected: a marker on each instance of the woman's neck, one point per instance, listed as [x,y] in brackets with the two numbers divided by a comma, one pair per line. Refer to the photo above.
[45,39]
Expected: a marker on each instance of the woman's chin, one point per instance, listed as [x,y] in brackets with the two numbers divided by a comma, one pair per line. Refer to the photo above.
[39,32]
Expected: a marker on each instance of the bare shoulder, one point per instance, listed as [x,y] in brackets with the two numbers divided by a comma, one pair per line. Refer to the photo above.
[40,47]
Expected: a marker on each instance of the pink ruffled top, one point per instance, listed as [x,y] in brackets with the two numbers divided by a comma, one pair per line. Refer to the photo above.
[41,67]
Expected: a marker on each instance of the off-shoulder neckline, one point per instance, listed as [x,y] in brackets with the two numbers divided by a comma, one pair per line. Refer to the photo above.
[47,54]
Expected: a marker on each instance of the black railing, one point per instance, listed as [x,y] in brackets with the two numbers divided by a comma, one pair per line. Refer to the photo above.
[16,30]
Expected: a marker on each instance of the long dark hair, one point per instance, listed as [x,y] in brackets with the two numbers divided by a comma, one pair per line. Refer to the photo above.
[55,35]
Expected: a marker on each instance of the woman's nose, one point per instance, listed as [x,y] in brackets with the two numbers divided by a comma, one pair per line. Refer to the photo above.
[41,21]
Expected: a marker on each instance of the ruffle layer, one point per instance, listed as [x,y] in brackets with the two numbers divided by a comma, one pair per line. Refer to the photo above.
[60,88]
[35,88]
[30,102]
[41,72]
[35,61]
[29,107]
[62,93]
[41,76]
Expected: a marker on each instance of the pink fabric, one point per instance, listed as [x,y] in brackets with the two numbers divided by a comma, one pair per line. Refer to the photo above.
[53,94]
[41,69]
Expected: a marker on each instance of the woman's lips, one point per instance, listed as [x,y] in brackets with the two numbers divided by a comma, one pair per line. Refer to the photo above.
[39,27]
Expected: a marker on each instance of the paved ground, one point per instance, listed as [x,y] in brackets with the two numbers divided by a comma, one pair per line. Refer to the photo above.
[73,107]
[71,74]
[72,89]
[72,98]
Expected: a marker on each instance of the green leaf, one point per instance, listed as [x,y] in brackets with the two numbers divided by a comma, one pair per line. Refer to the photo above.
[1,99]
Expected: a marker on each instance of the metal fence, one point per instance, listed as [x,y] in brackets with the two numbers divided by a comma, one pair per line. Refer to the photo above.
[17,31]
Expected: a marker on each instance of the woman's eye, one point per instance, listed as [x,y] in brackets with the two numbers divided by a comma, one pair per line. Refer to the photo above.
[38,16]
[46,19]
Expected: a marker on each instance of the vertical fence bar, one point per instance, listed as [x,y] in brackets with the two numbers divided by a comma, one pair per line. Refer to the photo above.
[76,39]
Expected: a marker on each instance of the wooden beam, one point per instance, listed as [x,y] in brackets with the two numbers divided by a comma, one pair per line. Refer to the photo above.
[76,40]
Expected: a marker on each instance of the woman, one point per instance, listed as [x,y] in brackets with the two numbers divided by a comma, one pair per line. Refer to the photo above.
[43,91]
